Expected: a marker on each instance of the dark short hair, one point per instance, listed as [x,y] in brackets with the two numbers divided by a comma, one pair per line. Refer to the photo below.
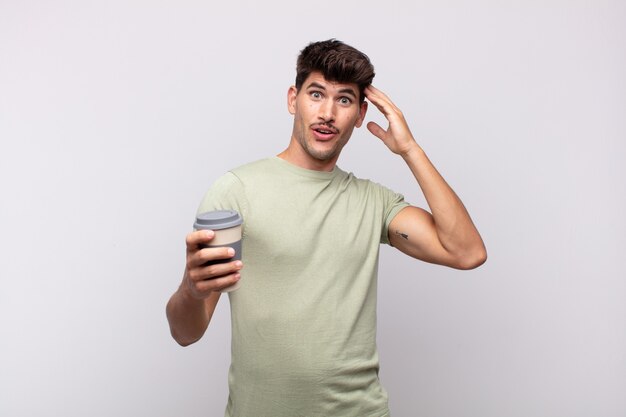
[337,61]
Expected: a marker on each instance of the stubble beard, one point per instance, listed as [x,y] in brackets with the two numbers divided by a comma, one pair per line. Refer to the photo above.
[319,155]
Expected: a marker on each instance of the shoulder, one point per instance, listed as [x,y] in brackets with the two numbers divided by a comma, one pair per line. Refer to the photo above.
[235,177]
[364,184]
[253,168]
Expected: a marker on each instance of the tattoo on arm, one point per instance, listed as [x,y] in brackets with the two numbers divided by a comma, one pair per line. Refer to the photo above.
[404,235]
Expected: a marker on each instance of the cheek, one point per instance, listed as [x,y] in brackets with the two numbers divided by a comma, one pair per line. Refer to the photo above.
[349,120]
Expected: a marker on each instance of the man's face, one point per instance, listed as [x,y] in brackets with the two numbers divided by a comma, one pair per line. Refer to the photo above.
[325,113]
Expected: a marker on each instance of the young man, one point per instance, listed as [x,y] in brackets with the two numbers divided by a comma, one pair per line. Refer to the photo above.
[304,319]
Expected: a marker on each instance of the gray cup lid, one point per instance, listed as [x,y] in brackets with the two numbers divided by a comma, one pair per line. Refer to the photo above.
[218,219]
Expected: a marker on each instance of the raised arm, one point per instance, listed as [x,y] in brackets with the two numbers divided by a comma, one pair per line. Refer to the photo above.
[446,235]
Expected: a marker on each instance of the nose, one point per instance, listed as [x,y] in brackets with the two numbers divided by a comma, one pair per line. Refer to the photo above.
[327,111]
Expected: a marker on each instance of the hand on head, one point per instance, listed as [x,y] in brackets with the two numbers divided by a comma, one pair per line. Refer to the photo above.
[397,137]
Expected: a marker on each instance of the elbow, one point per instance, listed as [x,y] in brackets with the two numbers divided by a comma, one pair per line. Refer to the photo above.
[472,260]
[182,341]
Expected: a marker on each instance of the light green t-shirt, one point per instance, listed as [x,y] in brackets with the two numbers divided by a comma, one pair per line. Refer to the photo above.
[304,319]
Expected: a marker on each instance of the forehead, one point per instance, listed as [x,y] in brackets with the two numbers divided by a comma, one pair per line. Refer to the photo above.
[318,79]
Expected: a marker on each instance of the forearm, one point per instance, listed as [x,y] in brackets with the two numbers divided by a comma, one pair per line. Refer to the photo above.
[446,235]
[187,316]
[453,224]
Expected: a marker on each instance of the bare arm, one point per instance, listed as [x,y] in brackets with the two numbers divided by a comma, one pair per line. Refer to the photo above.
[189,317]
[191,307]
[448,235]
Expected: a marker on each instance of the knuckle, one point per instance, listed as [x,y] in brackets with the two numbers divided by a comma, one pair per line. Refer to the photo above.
[224,282]
[211,254]
[216,270]
[200,255]
[190,239]
[193,275]
[196,259]
[201,287]
[222,269]
[206,254]
[210,270]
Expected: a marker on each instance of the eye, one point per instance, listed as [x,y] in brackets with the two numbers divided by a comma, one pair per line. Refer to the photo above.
[316,95]
[346,101]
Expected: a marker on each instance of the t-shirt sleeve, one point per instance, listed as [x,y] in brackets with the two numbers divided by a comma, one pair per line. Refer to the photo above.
[226,193]
[393,203]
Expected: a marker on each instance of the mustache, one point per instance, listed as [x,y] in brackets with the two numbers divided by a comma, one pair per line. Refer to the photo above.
[325,126]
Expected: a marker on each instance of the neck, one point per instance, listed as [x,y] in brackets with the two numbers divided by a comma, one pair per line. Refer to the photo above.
[294,154]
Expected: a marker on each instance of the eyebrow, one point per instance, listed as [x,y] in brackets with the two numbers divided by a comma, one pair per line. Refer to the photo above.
[346,90]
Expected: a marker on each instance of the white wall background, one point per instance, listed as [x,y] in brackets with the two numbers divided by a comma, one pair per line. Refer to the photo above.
[115,116]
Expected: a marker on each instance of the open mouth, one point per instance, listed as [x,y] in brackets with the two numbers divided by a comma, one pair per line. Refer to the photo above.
[324,132]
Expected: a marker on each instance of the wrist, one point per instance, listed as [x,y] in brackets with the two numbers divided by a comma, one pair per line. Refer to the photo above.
[412,151]
[186,294]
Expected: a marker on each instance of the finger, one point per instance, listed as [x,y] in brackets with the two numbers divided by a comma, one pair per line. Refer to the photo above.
[379,95]
[383,107]
[210,272]
[375,100]
[196,240]
[208,254]
[218,284]
[376,130]
[219,270]
[380,100]
[376,96]
[373,91]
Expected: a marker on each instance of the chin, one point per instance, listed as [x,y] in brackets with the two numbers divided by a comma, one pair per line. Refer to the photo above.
[323,155]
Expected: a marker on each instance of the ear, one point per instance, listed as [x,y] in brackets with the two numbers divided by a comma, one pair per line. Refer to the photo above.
[291,99]
[362,112]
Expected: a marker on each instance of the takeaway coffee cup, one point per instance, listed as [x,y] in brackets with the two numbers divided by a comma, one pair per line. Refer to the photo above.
[227,227]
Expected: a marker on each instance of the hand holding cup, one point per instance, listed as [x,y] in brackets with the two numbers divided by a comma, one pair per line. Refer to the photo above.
[221,249]
[208,269]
